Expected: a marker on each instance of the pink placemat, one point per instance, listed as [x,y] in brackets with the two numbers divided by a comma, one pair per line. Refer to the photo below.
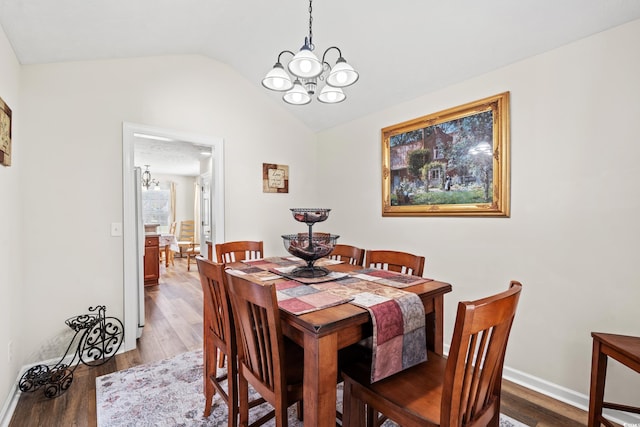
[298,299]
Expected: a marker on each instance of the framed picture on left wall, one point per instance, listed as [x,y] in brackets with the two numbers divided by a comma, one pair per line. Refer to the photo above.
[5,134]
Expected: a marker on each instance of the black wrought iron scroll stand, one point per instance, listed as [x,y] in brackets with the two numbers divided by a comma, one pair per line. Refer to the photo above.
[98,337]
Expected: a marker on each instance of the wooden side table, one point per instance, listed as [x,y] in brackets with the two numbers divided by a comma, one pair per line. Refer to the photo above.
[624,349]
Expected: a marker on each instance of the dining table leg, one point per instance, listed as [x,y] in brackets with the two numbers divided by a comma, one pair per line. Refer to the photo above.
[320,377]
[438,345]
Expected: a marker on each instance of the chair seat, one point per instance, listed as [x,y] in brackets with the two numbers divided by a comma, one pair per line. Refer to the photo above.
[417,390]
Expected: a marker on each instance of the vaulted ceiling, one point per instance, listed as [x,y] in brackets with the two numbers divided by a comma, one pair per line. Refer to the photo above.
[401,48]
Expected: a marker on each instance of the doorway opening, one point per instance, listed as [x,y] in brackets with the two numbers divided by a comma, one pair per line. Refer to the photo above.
[212,228]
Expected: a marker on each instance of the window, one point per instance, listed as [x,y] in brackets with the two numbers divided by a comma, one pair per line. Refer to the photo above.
[434,173]
[155,207]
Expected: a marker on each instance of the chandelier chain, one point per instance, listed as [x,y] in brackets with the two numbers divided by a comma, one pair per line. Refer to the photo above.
[310,25]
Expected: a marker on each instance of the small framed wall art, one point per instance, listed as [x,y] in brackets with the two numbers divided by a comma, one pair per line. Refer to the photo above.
[5,134]
[275,178]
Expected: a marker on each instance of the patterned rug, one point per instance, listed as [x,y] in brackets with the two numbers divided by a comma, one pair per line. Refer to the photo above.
[168,393]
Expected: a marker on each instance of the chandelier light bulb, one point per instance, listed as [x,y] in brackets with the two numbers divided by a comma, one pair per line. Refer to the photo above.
[342,74]
[297,95]
[331,95]
[305,64]
[277,79]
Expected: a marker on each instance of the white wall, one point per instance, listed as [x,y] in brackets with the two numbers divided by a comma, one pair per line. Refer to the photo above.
[570,239]
[11,224]
[184,195]
[72,189]
[572,236]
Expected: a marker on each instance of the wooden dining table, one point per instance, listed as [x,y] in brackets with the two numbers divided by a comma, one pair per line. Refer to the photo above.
[322,333]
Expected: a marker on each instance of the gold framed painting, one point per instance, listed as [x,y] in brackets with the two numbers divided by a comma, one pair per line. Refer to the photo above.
[5,134]
[450,163]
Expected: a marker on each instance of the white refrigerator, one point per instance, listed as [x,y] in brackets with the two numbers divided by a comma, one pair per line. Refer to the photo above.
[139,224]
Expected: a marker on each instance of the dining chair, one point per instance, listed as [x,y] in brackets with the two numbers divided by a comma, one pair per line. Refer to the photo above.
[186,235]
[461,390]
[238,251]
[350,254]
[267,360]
[219,337]
[402,262]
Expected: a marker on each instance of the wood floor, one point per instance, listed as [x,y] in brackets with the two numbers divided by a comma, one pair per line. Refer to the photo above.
[174,326]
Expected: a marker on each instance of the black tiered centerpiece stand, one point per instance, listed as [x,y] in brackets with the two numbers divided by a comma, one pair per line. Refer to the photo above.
[310,246]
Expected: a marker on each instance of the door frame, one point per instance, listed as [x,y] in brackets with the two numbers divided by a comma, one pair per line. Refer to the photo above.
[130,267]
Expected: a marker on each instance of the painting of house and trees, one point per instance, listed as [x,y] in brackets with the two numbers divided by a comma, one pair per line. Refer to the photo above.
[450,163]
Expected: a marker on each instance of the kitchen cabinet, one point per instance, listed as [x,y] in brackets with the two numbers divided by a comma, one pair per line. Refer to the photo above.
[151,259]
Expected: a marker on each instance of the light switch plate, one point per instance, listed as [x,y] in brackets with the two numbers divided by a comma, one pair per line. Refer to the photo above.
[116,229]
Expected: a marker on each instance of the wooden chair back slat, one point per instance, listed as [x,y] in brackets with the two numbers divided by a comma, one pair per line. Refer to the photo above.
[402,262]
[187,231]
[229,252]
[347,253]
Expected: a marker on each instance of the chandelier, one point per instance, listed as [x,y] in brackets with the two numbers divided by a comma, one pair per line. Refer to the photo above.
[147,181]
[306,69]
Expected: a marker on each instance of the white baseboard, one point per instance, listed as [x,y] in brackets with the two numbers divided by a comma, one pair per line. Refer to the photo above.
[9,407]
[14,395]
[539,385]
[565,395]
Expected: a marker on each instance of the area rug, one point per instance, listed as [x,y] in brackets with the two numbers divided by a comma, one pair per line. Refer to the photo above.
[168,393]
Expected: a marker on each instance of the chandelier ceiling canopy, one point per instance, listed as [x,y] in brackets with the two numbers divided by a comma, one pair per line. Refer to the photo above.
[300,83]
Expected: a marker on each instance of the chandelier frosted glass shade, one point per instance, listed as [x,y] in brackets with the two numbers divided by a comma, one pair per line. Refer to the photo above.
[277,79]
[305,64]
[342,74]
[331,95]
[297,95]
